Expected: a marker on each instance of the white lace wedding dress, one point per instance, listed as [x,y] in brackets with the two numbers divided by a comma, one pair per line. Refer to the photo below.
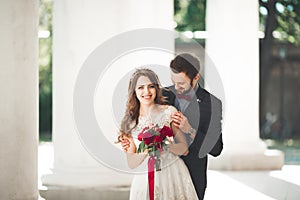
[173,182]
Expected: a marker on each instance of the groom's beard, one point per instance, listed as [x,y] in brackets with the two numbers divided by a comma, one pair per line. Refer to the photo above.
[186,91]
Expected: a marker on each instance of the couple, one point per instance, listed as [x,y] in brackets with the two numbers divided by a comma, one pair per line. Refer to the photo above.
[184,108]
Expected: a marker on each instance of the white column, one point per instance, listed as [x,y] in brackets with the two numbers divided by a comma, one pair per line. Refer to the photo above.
[79,27]
[19,99]
[233,47]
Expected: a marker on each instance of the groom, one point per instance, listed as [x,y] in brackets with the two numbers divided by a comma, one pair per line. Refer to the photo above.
[199,117]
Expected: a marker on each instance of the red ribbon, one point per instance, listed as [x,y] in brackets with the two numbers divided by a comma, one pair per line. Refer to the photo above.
[151,171]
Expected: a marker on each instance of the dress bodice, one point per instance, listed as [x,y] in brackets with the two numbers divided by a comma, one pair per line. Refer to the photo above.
[161,119]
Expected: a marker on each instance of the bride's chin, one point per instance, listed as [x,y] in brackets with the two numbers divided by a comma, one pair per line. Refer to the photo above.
[147,102]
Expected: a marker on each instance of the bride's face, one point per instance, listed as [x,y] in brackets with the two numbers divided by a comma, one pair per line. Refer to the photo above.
[145,90]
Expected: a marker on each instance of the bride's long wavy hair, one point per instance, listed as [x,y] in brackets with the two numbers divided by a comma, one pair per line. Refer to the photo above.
[131,117]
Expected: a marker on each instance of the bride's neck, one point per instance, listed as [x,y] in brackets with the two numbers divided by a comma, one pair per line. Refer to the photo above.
[147,109]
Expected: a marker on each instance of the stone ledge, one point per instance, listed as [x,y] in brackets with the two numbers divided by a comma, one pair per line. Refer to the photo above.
[73,179]
[73,193]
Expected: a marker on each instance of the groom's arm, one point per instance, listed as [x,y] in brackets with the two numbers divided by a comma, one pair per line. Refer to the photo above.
[217,149]
[210,141]
[214,131]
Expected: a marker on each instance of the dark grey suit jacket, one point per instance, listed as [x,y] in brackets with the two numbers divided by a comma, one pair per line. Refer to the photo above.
[204,114]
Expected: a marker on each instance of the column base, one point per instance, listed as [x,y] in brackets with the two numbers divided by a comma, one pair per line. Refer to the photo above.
[106,184]
[235,160]
[86,179]
[63,193]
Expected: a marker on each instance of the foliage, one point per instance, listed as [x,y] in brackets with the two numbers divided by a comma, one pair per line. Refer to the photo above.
[45,69]
[284,18]
[190,15]
[281,16]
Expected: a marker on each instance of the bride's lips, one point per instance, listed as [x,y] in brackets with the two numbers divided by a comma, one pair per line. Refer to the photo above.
[146,96]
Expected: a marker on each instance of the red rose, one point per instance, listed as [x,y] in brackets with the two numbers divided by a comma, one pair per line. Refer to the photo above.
[157,139]
[148,137]
[166,131]
[140,136]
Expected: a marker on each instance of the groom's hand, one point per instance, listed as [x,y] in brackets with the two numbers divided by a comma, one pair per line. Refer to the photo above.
[181,122]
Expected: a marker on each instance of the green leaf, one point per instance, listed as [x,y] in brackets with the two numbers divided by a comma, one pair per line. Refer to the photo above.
[142,147]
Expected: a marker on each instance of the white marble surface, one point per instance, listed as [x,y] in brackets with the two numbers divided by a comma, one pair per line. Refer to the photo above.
[281,184]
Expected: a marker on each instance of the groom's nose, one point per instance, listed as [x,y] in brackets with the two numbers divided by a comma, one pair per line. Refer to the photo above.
[177,87]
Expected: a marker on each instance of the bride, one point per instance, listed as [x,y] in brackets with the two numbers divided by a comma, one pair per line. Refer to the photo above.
[145,108]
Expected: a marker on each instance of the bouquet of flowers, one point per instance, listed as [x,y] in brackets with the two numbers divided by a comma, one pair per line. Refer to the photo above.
[155,139]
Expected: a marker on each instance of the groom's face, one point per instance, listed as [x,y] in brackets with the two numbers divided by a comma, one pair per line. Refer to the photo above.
[181,82]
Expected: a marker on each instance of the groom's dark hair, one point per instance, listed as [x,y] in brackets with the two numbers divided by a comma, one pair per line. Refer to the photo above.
[186,63]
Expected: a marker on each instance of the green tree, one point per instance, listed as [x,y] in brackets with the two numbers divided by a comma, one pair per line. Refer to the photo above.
[190,15]
[45,70]
[282,16]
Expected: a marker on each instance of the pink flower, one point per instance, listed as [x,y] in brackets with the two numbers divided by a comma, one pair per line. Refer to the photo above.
[142,135]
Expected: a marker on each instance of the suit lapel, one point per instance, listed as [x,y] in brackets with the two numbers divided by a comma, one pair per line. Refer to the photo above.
[192,112]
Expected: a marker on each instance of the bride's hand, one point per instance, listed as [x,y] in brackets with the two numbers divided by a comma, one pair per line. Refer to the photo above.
[128,144]
[146,151]
[170,140]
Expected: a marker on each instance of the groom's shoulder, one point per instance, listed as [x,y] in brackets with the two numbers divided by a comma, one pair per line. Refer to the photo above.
[168,91]
[206,95]
[169,94]
[170,87]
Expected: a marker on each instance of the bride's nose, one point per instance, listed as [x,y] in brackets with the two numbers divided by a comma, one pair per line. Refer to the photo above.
[147,91]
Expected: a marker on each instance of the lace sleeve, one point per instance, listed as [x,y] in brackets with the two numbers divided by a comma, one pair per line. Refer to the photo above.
[169,112]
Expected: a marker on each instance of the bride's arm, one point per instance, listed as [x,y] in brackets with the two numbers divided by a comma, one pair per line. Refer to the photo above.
[134,159]
[180,146]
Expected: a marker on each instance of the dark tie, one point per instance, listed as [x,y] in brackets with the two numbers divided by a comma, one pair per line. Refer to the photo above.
[183,96]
